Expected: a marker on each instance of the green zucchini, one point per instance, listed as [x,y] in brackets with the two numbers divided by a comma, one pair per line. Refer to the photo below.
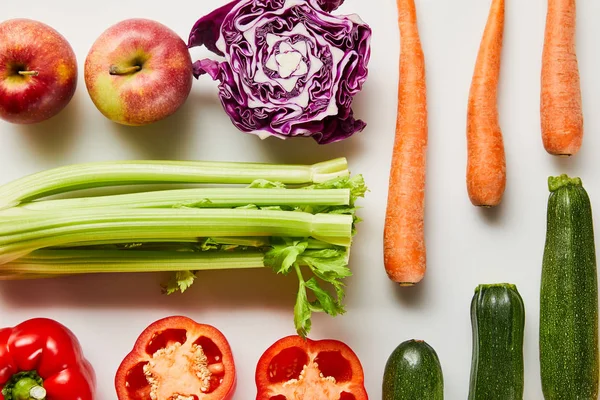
[412,372]
[569,295]
[498,322]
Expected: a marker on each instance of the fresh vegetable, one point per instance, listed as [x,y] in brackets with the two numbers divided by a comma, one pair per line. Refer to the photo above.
[413,371]
[113,173]
[486,164]
[569,295]
[307,227]
[38,71]
[138,71]
[299,69]
[498,322]
[404,236]
[42,359]
[177,358]
[294,368]
[561,110]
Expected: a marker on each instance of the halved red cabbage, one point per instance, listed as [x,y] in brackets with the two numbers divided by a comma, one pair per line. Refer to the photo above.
[291,68]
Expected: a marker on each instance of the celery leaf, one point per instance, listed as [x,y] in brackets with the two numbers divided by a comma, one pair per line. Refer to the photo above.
[266,184]
[331,266]
[180,281]
[302,311]
[247,207]
[324,300]
[358,188]
[209,244]
[202,203]
[327,263]
[282,256]
[356,184]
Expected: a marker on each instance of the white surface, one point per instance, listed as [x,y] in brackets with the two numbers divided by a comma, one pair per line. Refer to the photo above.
[466,246]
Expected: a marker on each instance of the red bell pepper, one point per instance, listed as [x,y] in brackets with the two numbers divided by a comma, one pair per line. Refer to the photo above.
[294,368]
[177,358]
[42,359]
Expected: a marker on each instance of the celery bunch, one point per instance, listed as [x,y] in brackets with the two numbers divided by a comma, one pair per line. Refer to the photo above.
[291,218]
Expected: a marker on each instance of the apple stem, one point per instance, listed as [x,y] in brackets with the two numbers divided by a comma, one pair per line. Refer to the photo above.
[116,70]
[29,73]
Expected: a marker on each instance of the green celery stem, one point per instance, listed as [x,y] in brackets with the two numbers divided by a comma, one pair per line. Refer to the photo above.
[28,388]
[197,198]
[49,263]
[24,277]
[63,228]
[112,173]
[68,262]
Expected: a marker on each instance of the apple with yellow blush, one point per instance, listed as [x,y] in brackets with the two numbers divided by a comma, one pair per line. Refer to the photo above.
[138,72]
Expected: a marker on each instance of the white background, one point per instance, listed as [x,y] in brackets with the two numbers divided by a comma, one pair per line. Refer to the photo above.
[466,246]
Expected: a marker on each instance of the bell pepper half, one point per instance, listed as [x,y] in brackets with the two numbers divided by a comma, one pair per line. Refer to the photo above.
[42,359]
[177,358]
[294,368]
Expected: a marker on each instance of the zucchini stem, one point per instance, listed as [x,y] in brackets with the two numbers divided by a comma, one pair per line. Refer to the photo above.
[481,287]
[557,182]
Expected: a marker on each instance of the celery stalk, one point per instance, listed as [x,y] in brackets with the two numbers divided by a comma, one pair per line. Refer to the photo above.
[249,241]
[112,173]
[67,262]
[199,198]
[185,222]
[24,277]
[19,236]
[308,227]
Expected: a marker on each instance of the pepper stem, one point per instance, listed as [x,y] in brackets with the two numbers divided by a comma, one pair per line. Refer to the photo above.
[28,388]
[116,70]
[37,393]
[25,385]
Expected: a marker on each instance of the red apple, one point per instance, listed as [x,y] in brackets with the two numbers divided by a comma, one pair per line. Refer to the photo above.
[138,72]
[38,71]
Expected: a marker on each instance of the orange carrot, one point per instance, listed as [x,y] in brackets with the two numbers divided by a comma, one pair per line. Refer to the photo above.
[561,112]
[404,239]
[486,164]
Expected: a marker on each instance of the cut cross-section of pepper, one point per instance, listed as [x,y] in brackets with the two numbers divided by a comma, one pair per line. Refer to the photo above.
[176,358]
[294,368]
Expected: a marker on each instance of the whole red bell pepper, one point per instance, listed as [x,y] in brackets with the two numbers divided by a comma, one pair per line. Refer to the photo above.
[294,368]
[42,359]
